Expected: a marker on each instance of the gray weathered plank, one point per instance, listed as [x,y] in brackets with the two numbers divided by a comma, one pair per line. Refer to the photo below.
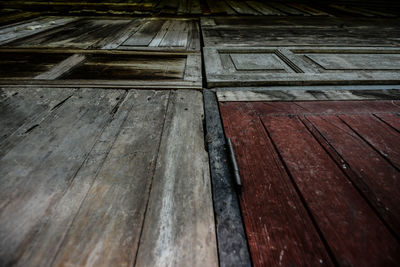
[38,171]
[145,34]
[61,68]
[177,35]
[286,9]
[11,33]
[22,110]
[312,65]
[242,7]
[232,242]
[106,230]
[84,33]
[179,225]
[220,7]
[300,30]
[263,8]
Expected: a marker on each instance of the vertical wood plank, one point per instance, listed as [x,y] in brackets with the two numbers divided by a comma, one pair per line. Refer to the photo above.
[145,34]
[179,225]
[378,134]
[107,228]
[279,230]
[390,119]
[376,177]
[350,227]
[37,172]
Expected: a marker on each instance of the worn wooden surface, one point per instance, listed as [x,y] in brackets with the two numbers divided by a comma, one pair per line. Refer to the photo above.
[151,34]
[257,66]
[179,225]
[279,230]
[325,151]
[28,65]
[232,241]
[384,8]
[162,34]
[83,33]
[101,68]
[288,31]
[19,30]
[82,172]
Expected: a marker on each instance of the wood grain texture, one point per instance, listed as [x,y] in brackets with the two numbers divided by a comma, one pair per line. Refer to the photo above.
[20,30]
[106,229]
[391,120]
[344,217]
[307,95]
[38,170]
[231,237]
[62,67]
[329,165]
[83,33]
[257,31]
[279,230]
[27,65]
[23,110]
[374,175]
[179,224]
[255,66]
[164,34]
[75,188]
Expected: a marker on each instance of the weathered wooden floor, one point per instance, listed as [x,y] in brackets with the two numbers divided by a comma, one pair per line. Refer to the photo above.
[105,178]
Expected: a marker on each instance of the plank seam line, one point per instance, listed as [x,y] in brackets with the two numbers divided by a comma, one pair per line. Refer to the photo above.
[96,175]
[235,192]
[285,59]
[134,261]
[307,208]
[208,138]
[203,65]
[370,145]
[352,173]
[388,124]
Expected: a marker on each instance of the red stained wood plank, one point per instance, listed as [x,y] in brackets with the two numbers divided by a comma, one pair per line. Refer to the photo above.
[391,119]
[279,229]
[328,107]
[378,134]
[351,228]
[375,176]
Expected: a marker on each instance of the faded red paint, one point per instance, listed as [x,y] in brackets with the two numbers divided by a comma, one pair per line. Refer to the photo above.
[319,180]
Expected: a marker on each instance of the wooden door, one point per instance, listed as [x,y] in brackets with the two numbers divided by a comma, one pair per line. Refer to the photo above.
[320,178]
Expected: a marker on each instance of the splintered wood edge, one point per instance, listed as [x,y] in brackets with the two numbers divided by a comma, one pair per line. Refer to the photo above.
[308,95]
